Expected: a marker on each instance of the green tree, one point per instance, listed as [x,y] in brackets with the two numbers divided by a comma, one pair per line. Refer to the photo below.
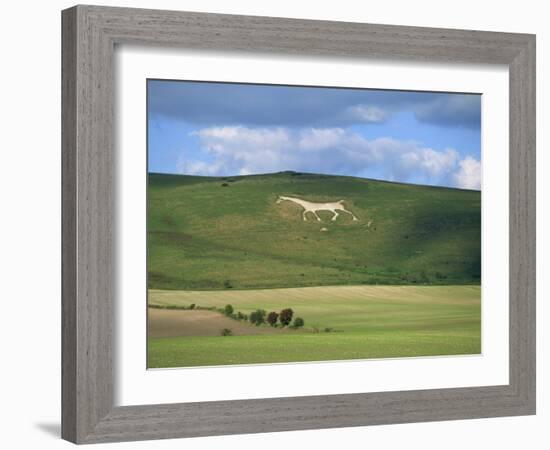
[257,317]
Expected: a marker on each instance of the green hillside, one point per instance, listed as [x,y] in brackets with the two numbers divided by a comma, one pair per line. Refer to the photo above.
[229,233]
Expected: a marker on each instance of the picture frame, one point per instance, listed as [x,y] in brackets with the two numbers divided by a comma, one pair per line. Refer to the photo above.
[90,34]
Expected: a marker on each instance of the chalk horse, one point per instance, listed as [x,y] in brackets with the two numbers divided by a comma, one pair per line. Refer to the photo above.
[314,207]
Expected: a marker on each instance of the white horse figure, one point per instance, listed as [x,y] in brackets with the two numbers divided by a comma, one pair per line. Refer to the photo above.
[314,207]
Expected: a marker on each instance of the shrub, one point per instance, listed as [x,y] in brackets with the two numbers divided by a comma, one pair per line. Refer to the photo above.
[228,310]
[257,317]
[224,185]
[424,277]
[192,306]
[285,316]
[298,322]
[227,332]
[227,284]
[272,318]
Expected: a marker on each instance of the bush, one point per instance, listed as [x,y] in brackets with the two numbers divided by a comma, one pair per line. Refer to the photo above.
[298,322]
[227,284]
[257,317]
[226,332]
[285,316]
[192,306]
[228,310]
[272,318]
[424,277]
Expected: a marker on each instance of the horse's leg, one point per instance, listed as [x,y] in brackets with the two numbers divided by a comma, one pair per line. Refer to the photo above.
[315,214]
[349,212]
[335,215]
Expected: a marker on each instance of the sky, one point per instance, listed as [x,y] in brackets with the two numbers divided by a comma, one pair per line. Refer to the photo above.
[224,129]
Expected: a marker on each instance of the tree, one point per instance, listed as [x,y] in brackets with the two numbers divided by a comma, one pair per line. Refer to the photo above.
[257,317]
[298,322]
[285,316]
[228,310]
[272,318]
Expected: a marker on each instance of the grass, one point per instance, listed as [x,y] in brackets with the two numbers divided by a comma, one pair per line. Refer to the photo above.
[208,351]
[402,281]
[367,322]
[203,235]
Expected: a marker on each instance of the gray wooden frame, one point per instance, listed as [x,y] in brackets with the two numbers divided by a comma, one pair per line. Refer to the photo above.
[89,36]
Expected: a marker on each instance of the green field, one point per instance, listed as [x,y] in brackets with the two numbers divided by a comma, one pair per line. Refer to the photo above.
[403,280]
[364,322]
[229,233]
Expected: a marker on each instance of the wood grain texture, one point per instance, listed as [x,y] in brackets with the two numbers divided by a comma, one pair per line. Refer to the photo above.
[523,224]
[68,226]
[89,36]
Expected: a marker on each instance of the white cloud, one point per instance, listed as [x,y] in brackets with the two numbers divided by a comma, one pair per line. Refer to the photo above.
[367,113]
[468,175]
[200,167]
[436,164]
[233,150]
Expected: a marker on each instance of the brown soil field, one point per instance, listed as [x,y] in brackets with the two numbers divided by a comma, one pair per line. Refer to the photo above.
[174,323]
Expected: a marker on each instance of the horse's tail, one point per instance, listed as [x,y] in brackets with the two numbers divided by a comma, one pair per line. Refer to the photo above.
[340,201]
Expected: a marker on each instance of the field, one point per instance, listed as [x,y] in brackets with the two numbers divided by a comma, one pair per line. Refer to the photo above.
[208,233]
[401,280]
[341,322]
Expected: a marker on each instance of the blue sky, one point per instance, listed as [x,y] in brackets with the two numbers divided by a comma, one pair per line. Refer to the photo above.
[220,129]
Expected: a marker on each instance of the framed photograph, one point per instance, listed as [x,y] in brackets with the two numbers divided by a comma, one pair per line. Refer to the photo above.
[279,224]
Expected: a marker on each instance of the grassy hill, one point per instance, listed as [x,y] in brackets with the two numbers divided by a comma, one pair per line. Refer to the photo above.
[229,233]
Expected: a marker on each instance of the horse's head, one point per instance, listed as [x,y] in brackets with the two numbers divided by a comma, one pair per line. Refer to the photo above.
[280,198]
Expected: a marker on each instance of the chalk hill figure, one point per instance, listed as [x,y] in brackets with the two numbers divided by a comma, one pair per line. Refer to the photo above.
[314,207]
